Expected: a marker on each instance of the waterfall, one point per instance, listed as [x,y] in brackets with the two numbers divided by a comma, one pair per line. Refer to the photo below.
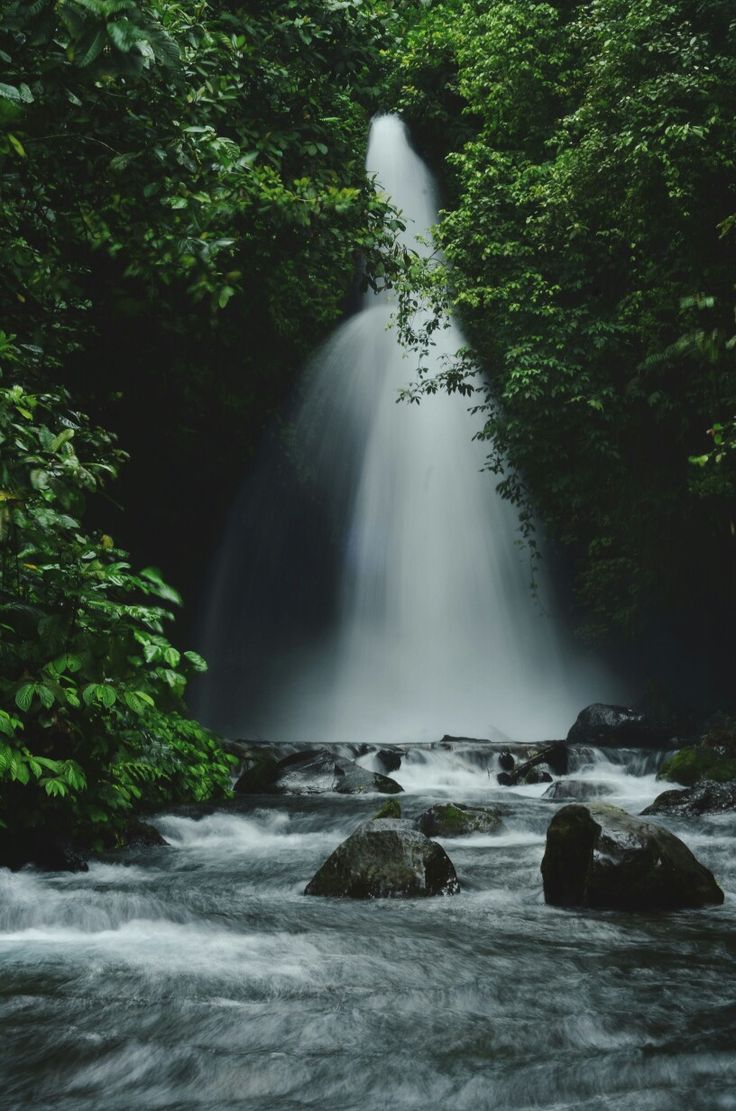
[371,586]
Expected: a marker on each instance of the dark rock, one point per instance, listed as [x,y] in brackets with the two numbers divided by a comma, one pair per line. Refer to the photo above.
[506,761]
[142,835]
[389,759]
[537,775]
[390,809]
[452,820]
[707,797]
[259,774]
[599,856]
[556,757]
[602,725]
[505,779]
[576,789]
[383,859]
[47,851]
[315,772]
[351,779]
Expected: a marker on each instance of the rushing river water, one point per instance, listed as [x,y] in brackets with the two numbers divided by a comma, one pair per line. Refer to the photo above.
[199,976]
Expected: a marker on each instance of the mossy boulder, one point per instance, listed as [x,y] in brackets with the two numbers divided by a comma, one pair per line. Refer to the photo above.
[386,859]
[699,762]
[452,820]
[600,856]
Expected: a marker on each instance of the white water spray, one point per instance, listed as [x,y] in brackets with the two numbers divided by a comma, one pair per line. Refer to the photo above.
[434,627]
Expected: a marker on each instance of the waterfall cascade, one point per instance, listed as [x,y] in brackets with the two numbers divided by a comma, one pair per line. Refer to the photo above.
[378,590]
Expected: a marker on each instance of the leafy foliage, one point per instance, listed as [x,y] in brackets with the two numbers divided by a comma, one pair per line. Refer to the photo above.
[184,203]
[92,720]
[591,259]
[182,211]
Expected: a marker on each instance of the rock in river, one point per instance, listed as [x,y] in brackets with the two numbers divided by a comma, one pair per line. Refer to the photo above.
[452,820]
[599,856]
[313,772]
[386,858]
[600,724]
[706,797]
[576,789]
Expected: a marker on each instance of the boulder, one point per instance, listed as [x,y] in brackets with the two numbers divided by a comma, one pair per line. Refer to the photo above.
[259,772]
[311,773]
[576,789]
[537,775]
[556,757]
[142,835]
[50,852]
[599,856]
[697,763]
[617,726]
[386,858]
[706,797]
[389,759]
[453,820]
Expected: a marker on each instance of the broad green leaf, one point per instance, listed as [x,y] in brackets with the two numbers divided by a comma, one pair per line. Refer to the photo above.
[24,696]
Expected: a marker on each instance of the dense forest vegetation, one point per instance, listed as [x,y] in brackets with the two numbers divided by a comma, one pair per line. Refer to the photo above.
[588,156]
[183,216]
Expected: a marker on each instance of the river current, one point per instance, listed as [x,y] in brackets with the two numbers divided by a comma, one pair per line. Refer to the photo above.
[199,976]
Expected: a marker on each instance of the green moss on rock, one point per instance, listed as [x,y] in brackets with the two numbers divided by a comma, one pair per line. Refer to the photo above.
[390,809]
[691,765]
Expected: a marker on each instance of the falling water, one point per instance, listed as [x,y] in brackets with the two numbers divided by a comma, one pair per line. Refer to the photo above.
[378,591]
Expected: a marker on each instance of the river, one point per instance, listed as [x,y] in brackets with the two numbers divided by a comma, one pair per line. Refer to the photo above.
[199,976]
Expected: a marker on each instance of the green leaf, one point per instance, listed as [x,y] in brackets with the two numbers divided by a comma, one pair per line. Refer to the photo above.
[197,661]
[16,144]
[62,438]
[46,695]
[24,696]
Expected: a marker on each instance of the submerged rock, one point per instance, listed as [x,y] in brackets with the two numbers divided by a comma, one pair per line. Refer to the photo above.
[384,859]
[576,789]
[707,797]
[599,856]
[452,820]
[603,725]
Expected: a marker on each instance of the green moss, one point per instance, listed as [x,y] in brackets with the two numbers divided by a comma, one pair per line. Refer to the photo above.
[690,765]
[453,818]
[390,809]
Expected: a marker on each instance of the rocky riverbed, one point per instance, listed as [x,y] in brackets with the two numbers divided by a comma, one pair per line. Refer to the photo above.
[198,975]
